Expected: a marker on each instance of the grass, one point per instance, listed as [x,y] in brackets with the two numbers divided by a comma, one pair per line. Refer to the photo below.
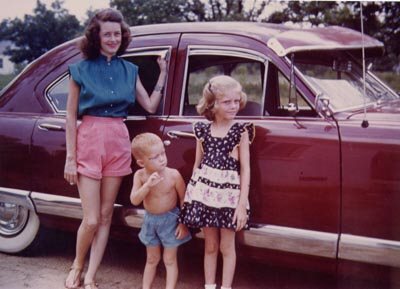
[5,79]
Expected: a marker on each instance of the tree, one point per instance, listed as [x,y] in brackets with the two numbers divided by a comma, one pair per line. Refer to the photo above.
[139,12]
[38,33]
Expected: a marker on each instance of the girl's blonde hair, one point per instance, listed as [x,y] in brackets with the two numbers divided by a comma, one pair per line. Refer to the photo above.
[216,88]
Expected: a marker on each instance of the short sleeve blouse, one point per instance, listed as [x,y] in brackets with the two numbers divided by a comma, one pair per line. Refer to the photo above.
[107,88]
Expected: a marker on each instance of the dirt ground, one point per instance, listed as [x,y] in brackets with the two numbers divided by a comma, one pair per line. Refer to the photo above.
[46,266]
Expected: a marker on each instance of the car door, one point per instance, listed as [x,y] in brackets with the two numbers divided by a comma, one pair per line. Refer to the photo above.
[295,160]
[48,139]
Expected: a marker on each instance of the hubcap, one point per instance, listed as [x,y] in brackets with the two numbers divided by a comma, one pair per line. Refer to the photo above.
[12,218]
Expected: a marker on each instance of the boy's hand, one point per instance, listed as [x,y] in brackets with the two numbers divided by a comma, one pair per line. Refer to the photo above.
[181,231]
[154,179]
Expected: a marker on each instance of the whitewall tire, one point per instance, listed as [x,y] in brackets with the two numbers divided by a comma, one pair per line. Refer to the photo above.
[19,227]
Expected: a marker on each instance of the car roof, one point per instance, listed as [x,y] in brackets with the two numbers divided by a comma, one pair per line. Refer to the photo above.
[281,38]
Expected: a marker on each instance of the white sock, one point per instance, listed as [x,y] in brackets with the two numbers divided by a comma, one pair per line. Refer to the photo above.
[222,287]
[210,286]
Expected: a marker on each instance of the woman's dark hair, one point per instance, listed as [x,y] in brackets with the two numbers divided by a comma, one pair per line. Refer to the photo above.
[90,43]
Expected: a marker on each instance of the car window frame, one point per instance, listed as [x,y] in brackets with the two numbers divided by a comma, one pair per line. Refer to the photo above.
[223,51]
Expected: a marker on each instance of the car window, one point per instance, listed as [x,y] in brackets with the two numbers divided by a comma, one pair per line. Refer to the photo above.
[58,93]
[148,70]
[283,98]
[202,67]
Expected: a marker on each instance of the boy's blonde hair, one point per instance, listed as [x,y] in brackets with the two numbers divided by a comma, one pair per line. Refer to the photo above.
[216,88]
[142,142]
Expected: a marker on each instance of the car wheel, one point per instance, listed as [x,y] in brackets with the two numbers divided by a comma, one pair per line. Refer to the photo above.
[18,227]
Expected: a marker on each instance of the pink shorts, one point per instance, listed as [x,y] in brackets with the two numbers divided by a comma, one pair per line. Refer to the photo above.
[103,148]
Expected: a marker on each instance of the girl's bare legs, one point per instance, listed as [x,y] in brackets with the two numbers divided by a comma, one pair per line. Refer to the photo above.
[89,191]
[171,266]
[108,193]
[211,237]
[228,251]
[152,259]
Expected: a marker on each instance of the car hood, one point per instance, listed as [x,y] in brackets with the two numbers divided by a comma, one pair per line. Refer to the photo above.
[388,112]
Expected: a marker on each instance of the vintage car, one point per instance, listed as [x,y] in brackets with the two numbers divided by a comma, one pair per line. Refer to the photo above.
[325,163]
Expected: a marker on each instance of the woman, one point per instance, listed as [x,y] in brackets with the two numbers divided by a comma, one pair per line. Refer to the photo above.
[101,89]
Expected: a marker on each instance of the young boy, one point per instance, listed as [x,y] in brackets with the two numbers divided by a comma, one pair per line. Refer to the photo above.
[159,188]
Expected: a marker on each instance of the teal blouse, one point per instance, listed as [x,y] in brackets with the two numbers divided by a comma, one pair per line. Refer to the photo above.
[107,88]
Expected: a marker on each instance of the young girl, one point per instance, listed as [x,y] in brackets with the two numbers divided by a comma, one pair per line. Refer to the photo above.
[216,199]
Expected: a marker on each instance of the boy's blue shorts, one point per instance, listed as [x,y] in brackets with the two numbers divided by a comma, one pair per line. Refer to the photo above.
[159,229]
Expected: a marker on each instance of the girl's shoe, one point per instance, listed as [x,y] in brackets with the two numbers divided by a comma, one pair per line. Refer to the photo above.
[91,285]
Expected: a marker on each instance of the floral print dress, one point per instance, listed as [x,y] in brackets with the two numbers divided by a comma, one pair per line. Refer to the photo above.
[213,191]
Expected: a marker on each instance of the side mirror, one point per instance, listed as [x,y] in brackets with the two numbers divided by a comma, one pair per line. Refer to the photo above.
[322,104]
[291,108]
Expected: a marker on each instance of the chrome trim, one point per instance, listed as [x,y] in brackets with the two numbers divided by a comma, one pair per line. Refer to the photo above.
[134,217]
[180,134]
[59,205]
[292,240]
[154,50]
[226,51]
[136,117]
[49,126]
[369,250]
[18,197]
[271,237]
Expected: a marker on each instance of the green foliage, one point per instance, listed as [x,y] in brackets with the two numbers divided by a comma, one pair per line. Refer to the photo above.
[391,79]
[139,12]
[38,33]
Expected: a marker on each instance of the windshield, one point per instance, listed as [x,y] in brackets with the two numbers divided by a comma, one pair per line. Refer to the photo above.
[340,78]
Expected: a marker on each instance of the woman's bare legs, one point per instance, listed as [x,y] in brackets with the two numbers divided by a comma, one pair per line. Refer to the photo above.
[211,236]
[108,193]
[89,192]
[228,251]
[171,266]
[153,257]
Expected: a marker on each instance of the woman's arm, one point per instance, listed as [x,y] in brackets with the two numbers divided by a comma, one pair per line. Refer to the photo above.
[150,103]
[240,216]
[70,169]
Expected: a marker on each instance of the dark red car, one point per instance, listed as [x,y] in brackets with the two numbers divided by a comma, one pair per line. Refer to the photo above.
[325,163]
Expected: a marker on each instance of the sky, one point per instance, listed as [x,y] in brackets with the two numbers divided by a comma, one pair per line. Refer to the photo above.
[18,8]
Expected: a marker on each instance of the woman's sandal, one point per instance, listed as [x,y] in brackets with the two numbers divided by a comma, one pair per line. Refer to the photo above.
[91,285]
[76,273]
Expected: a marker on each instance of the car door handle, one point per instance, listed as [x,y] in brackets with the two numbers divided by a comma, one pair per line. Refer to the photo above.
[179,134]
[52,127]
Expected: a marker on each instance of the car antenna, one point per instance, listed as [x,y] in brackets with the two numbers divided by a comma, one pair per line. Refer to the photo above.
[365,122]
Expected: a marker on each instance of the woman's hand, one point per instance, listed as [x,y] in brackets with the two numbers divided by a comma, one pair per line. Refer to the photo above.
[70,171]
[162,63]
[240,217]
